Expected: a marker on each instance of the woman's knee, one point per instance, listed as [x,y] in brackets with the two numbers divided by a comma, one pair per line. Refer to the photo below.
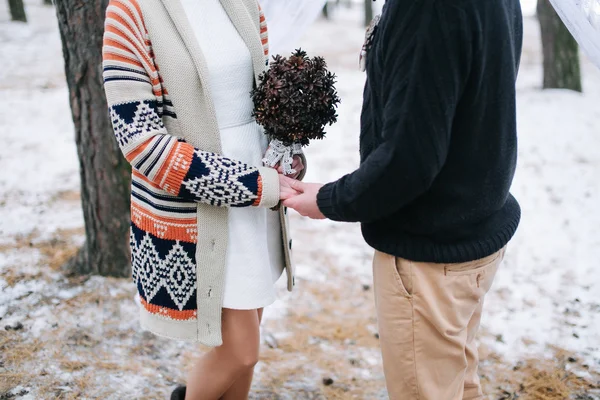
[241,338]
[239,356]
[248,359]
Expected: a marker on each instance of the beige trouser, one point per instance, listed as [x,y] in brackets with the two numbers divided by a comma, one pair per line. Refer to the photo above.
[428,316]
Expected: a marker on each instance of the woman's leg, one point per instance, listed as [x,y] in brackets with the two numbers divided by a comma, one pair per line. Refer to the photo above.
[241,387]
[218,369]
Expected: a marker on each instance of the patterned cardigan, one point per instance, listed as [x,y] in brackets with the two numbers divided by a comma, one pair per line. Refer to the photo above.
[181,185]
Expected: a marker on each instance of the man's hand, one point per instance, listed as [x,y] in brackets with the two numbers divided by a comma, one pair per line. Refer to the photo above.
[300,196]
[297,164]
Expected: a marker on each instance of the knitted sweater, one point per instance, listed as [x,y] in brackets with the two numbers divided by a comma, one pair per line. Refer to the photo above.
[156,84]
[438,132]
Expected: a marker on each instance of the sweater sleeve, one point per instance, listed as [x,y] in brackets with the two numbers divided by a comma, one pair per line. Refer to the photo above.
[425,63]
[137,103]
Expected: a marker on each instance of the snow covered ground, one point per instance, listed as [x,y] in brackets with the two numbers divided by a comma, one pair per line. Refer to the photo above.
[79,337]
[548,290]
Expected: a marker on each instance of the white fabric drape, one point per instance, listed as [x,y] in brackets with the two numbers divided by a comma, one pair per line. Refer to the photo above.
[287,21]
[582,18]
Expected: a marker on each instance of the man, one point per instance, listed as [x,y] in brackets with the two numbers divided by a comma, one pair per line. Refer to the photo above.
[438,154]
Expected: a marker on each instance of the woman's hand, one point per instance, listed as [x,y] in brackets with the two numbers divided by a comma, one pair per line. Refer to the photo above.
[286,191]
[297,165]
[300,196]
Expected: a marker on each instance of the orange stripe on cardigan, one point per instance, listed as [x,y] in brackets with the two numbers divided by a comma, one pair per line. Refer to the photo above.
[264,31]
[184,229]
[116,57]
[139,175]
[160,79]
[131,14]
[112,43]
[175,221]
[174,167]
[135,13]
[258,192]
[139,12]
[145,60]
[184,315]
[137,44]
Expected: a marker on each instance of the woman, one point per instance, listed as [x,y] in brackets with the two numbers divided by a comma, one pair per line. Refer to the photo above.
[206,246]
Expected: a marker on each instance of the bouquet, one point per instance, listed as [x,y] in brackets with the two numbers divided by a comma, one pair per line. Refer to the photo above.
[294,100]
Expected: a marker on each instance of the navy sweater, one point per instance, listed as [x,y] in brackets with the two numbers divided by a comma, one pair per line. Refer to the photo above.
[438,135]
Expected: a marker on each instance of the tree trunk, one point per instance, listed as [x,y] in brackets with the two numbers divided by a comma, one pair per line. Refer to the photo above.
[326,10]
[48,2]
[368,12]
[105,174]
[561,53]
[17,10]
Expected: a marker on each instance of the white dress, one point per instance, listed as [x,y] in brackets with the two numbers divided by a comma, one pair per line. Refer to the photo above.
[254,251]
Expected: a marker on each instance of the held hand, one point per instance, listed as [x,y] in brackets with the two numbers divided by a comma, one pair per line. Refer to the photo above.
[297,164]
[304,201]
[285,188]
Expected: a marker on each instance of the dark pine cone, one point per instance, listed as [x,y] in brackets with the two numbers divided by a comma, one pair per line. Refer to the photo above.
[296,98]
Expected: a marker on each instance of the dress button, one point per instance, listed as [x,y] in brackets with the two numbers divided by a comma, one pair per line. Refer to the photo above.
[290,244]
[285,210]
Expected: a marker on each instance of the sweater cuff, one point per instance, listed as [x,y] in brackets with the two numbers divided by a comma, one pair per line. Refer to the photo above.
[326,202]
[270,187]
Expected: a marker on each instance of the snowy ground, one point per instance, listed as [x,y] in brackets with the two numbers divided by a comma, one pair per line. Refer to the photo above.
[79,337]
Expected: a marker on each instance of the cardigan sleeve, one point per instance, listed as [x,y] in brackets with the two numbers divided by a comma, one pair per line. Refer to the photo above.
[264,31]
[137,104]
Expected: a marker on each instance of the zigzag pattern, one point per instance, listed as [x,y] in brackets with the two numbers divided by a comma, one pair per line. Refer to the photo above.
[170,176]
[226,182]
[134,119]
[164,271]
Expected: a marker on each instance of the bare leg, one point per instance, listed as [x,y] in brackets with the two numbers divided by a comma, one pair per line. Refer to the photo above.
[241,387]
[218,369]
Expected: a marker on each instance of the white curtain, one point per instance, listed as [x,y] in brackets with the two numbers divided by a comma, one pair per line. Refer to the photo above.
[582,18]
[288,20]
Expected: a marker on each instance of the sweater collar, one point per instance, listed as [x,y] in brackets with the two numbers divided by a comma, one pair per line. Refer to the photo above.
[241,17]
[245,17]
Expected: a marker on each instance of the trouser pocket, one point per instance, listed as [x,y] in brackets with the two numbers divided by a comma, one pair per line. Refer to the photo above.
[395,317]
[478,274]
[393,273]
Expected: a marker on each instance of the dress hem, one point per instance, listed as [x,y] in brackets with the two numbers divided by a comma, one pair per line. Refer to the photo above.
[245,308]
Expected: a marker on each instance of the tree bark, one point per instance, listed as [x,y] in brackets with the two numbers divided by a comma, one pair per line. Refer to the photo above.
[368,12]
[17,10]
[105,174]
[560,50]
[48,2]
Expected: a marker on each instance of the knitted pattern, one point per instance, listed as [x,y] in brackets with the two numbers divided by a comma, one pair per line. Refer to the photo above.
[169,162]
[264,34]
[169,175]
